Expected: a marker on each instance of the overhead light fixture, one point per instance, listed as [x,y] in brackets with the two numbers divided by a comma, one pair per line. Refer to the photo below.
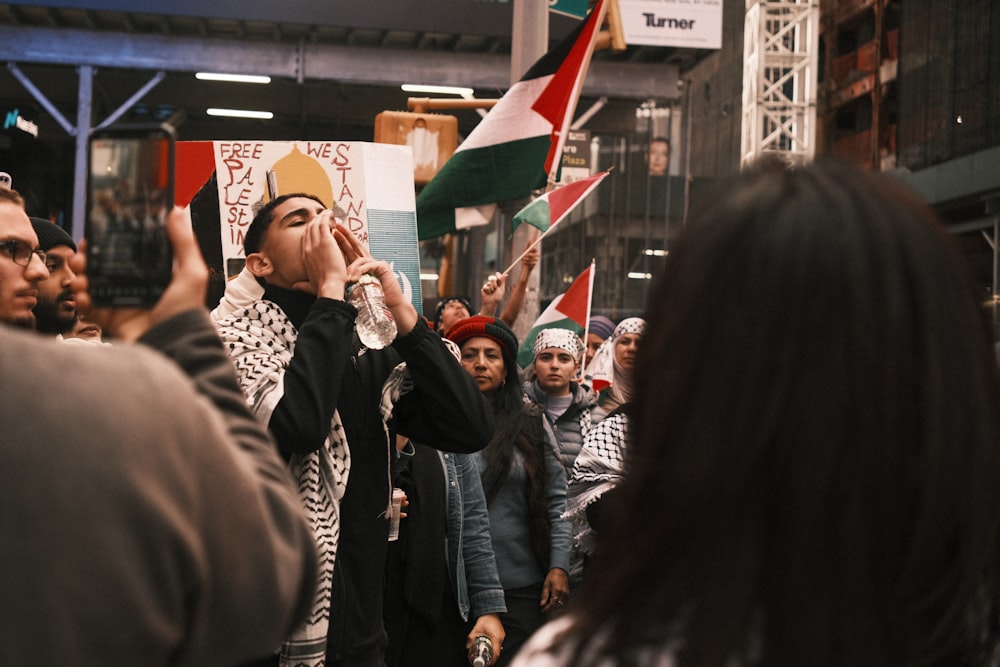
[428,276]
[652,252]
[241,113]
[635,275]
[438,90]
[235,78]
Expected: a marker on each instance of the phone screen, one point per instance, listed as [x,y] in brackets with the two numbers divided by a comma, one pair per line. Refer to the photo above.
[129,193]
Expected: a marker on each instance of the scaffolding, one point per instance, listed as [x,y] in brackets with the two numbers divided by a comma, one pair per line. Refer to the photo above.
[781,59]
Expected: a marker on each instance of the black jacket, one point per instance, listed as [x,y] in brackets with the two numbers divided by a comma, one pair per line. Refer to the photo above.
[445,410]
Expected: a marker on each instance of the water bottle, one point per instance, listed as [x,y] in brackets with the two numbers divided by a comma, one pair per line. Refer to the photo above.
[481,653]
[375,325]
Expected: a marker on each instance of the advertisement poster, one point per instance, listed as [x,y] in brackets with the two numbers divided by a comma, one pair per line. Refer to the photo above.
[369,187]
[695,24]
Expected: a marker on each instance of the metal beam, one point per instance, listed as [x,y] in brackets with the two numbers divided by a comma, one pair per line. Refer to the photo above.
[972,175]
[83,119]
[41,98]
[130,102]
[453,16]
[780,56]
[317,62]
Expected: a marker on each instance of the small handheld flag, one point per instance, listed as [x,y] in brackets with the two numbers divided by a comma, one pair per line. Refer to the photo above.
[550,208]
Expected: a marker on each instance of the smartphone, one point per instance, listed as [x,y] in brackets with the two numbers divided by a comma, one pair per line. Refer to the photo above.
[130,191]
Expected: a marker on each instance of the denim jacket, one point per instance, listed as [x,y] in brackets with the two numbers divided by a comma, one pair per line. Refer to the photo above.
[473,576]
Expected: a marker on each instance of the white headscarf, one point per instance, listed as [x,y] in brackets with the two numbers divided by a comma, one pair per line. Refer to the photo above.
[564,339]
[604,370]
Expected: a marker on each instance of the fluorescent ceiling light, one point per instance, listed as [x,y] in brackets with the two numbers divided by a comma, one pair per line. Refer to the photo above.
[428,276]
[236,78]
[634,275]
[241,113]
[651,252]
[440,90]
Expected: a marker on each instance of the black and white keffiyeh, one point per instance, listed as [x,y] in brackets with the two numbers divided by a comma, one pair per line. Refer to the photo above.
[261,341]
[598,469]
[563,339]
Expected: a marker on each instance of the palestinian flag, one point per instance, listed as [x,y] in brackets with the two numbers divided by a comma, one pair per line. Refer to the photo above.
[570,310]
[509,154]
[549,209]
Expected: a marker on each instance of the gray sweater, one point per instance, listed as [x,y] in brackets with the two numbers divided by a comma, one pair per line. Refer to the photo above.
[147,518]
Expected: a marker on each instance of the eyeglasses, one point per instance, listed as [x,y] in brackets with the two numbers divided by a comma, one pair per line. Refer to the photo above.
[20,252]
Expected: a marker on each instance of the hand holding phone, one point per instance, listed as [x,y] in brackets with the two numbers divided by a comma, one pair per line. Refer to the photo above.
[186,290]
[130,191]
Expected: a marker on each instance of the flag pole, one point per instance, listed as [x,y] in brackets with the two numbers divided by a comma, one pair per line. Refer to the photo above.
[556,151]
[590,306]
[574,99]
[531,245]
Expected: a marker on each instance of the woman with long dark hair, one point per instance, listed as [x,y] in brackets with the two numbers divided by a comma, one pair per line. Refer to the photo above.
[524,482]
[814,447]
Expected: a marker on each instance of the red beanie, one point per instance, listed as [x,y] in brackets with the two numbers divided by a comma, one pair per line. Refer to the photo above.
[490,327]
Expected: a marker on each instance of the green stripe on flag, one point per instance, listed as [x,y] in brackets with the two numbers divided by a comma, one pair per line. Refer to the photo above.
[535,214]
[497,173]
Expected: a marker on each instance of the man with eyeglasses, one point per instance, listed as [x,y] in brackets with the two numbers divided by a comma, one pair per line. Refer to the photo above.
[55,312]
[22,264]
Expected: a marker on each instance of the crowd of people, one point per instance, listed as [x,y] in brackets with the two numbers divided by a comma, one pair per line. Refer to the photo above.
[789,459]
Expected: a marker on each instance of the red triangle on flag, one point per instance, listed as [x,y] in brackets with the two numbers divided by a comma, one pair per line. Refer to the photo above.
[563,199]
[194,163]
[558,101]
[552,103]
[575,302]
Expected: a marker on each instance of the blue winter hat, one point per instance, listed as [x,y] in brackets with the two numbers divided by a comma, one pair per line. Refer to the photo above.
[601,326]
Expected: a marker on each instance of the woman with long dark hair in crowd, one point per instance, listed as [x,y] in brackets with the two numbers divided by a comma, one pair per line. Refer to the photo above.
[524,482]
[813,456]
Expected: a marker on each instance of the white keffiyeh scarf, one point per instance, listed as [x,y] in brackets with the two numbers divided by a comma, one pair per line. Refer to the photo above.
[598,469]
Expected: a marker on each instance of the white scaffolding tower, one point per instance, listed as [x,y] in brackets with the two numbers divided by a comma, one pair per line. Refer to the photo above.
[780,62]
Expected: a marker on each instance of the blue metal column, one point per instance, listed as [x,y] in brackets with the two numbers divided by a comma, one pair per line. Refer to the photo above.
[83,112]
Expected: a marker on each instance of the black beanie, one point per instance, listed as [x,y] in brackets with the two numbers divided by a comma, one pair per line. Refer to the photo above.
[50,235]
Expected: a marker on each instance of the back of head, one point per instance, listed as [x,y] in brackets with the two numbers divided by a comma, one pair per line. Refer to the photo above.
[816,422]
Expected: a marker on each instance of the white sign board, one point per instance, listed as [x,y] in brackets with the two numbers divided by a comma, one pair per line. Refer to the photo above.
[695,24]
[368,185]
